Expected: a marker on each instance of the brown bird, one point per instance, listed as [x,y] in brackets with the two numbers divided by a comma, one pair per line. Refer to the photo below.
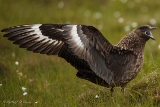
[86,49]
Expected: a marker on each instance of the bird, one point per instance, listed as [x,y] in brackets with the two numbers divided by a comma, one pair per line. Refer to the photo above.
[86,49]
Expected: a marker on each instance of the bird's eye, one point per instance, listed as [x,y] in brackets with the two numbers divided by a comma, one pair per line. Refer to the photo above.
[147,32]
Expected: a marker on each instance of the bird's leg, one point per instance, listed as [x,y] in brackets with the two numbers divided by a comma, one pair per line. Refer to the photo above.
[112,90]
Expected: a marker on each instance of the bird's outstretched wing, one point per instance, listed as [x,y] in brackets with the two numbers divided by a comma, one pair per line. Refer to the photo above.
[45,39]
[82,46]
[39,38]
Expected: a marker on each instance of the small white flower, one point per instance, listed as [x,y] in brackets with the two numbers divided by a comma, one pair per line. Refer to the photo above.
[159,46]
[0,85]
[36,102]
[120,20]
[25,93]
[24,89]
[152,21]
[17,63]
[96,96]
[134,24]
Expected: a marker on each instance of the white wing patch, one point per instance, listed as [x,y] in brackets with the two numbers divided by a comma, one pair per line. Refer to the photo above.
[35,26]
[74,40]
[75,36]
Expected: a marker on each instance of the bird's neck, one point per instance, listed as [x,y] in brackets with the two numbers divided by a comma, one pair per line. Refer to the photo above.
[133,44]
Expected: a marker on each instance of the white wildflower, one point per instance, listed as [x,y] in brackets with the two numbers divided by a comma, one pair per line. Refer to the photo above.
[159,46]
[134,24]
[24,89]
[25,93]
[0,85]
[152,21]
[36,102]
[120,20]
[17,63]
[96,96]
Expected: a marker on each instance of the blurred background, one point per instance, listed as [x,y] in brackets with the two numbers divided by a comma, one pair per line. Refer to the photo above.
[28,79]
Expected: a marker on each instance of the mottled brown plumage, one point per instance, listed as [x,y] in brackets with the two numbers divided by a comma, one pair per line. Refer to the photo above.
[85,48]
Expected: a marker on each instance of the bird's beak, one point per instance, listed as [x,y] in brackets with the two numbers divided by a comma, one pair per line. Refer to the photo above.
[151,36]
[152,28]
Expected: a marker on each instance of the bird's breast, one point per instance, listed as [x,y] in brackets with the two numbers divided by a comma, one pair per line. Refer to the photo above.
[131,70]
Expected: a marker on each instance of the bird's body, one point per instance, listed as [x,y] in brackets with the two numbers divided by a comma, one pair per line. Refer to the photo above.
[85,48]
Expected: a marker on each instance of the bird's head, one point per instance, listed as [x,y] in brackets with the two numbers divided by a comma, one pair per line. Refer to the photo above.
[145,32]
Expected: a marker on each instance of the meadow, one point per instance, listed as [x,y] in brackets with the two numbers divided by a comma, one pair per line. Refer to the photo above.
[34,80]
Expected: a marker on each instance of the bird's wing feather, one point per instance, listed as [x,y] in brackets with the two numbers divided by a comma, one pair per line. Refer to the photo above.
[39,38]
[45,39]
[121,62]
[89,44]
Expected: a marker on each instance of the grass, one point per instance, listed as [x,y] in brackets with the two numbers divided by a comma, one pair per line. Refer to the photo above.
[49,83]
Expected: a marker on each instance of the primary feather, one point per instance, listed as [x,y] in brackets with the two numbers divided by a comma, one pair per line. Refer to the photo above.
[85,48]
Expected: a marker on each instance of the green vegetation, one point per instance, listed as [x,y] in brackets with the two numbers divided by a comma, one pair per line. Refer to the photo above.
[51,81]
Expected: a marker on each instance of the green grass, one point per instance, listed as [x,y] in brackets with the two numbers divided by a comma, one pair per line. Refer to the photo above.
[53,85]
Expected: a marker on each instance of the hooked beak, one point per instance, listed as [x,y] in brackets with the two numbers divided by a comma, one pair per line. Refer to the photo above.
[152,28]
[151,36]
